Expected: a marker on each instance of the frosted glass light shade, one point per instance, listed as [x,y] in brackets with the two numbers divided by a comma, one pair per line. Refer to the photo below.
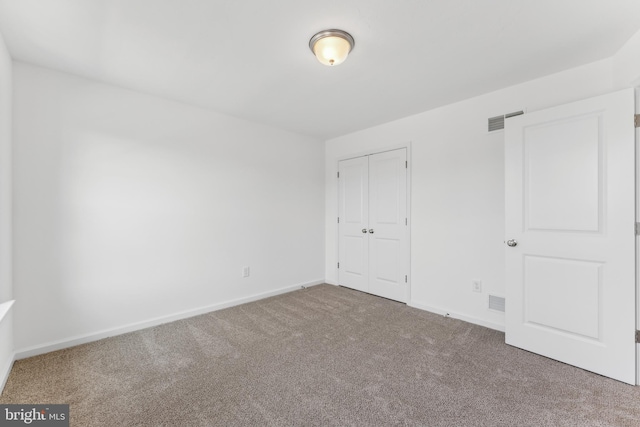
[332,50]
[331,47]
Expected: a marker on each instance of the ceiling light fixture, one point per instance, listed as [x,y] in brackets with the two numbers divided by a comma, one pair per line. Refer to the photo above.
[331,47]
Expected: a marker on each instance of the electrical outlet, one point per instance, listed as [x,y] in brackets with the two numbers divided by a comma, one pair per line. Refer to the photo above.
[476,285]
[246,272]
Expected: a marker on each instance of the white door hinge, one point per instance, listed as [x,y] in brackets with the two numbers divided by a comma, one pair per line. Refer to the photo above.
[636,120]
[637,228]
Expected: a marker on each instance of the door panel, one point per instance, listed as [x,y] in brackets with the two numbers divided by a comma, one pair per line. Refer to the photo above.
[354,255]
[559,197]
[387,184]
[387,218]
[555,287]
[570,205]
[353,193]
[388,250]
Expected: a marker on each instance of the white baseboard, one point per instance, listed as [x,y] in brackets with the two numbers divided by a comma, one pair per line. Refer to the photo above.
[638,365]
[7,337]
[309,284]
[95,336]
[5,371]
[470,319]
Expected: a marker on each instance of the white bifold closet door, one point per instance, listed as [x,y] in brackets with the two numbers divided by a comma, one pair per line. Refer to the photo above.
[372,224]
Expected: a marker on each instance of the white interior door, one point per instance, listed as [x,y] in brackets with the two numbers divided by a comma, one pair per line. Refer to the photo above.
[388,224]
[353,222]
[570,212]
[372,224]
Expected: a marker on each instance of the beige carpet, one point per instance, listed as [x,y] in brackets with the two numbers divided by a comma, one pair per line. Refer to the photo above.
[319,356]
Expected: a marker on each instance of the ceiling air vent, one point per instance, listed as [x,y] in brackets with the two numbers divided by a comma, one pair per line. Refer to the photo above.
[497,123]
[496,303]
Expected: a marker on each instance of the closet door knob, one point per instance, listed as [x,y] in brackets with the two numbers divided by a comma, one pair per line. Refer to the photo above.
[364,230]
[371,230]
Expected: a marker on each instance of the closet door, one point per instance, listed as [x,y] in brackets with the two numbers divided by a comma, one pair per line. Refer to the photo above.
[388,225]
[372,222]
[353,219]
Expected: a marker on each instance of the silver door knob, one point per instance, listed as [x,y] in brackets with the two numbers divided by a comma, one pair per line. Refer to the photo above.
[364,230]
[371,230]
[512,243]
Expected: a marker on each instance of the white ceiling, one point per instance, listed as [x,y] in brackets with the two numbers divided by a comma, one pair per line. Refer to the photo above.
[250,58]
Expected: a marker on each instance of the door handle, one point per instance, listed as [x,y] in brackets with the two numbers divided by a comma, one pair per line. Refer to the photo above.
[364,230]
[512,243]
[371,230]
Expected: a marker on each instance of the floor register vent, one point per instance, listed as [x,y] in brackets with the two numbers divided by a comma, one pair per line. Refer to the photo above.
[497,123]
[496,303]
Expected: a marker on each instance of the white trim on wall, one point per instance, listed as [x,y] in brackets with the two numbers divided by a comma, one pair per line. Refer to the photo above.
[5,371]
[83,339]
[10,355]
[449,313]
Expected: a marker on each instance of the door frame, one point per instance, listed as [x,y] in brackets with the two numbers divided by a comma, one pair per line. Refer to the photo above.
[369,152]
[637,183]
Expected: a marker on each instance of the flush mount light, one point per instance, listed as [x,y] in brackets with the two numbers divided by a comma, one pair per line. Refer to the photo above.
[331,47]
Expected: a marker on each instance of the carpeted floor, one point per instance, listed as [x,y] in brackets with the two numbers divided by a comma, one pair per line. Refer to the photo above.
[318,356]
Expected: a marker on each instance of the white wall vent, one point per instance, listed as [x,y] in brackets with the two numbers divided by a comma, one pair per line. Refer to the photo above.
[497,122]
[496,303]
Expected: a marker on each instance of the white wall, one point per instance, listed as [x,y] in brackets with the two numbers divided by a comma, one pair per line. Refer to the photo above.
[130,208]
[457,183]
[6,285]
